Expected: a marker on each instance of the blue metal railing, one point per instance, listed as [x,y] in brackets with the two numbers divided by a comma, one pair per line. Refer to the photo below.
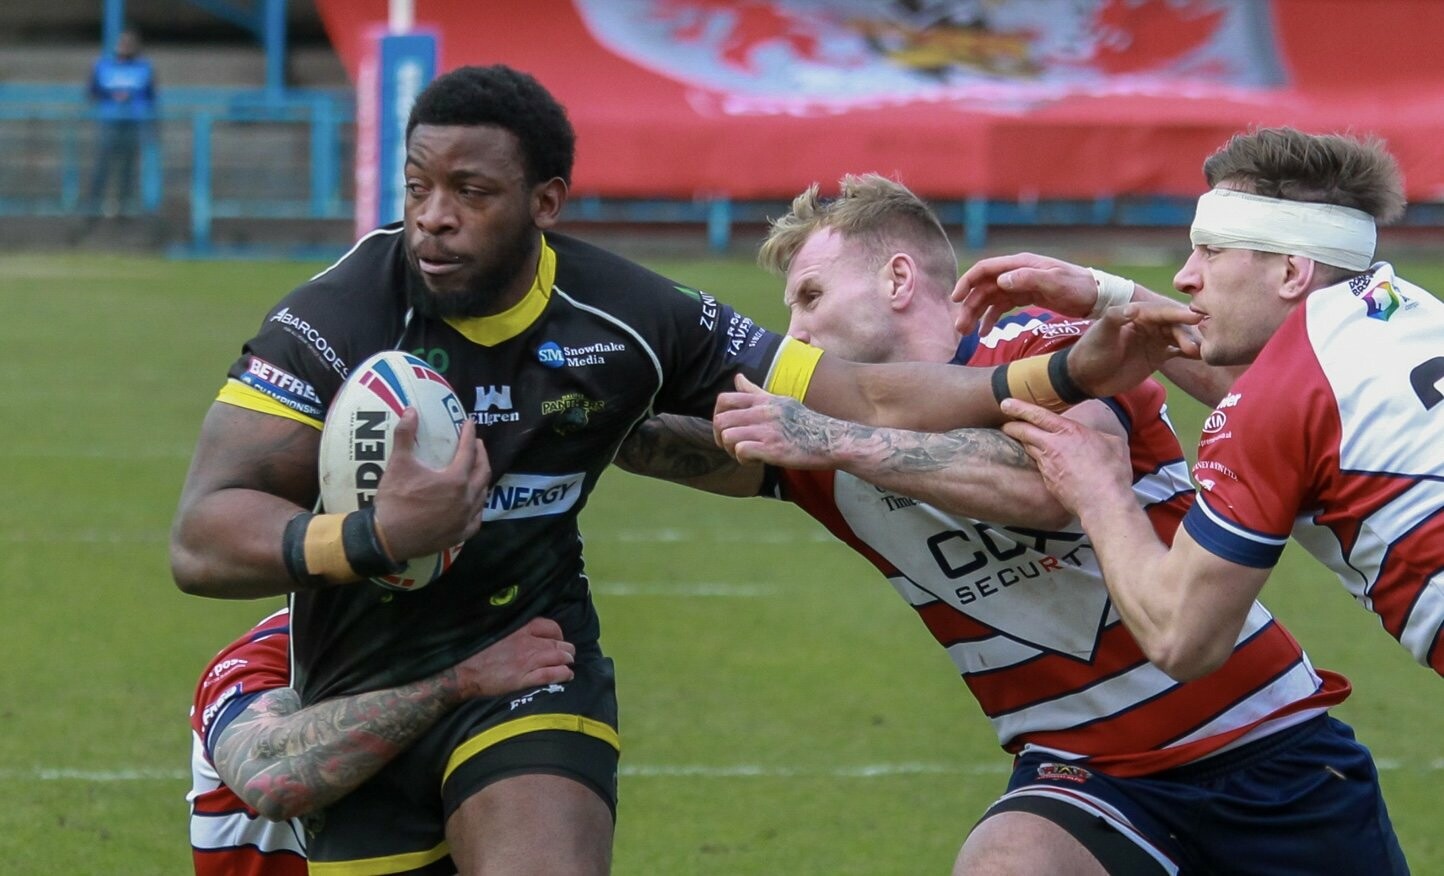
[197,125]
[197,163]
[47,139]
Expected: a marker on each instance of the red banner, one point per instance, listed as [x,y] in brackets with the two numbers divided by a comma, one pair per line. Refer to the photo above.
[1017,100]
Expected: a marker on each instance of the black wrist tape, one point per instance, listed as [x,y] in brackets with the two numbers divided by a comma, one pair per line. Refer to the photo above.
[1070,392]
[293,551]
[1000,383]
[368,558]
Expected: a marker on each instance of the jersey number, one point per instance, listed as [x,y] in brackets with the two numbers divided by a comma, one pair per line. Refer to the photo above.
[1425,380]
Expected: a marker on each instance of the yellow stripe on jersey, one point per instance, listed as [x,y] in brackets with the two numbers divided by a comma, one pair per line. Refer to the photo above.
[530,724]
[489,331]
[402,863]
[792,369]
[242,396]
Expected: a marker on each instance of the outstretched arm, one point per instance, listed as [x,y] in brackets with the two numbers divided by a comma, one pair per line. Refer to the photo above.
[994,286]
[1184,605]
[1116,353]
[980,473]
[284,760]
[683,450]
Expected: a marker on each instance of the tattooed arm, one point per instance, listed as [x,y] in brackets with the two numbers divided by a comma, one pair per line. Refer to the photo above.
[981,473]
[285,761]
[683,450]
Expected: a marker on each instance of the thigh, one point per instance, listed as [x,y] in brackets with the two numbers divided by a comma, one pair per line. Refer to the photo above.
[532,824]
[1059,818]
[1025,844]
[567,730]
[554,745]
[391,824]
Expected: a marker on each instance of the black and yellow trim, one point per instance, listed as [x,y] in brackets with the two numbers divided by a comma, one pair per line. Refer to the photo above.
[1043,380]
[793,368]
[530,724]
[402,863]
[488,331]
[237,393]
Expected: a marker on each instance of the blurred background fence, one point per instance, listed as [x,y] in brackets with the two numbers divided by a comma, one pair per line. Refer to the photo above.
[707,115]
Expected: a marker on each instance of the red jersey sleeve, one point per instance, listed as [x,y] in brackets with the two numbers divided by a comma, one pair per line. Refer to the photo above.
[1260,451]
[258,661]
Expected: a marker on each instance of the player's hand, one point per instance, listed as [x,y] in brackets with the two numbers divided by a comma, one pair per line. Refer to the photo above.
[754,425]
[1164,317]
[1079,465]
[1129,343]
[421,510]
[534,655]
[994,286]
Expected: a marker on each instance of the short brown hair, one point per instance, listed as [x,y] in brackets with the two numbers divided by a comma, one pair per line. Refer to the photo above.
[881,215]
[1322,168]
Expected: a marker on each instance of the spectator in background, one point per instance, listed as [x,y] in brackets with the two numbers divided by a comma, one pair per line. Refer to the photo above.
[122,87]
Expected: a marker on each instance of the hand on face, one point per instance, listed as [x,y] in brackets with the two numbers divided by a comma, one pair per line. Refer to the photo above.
[1129,343]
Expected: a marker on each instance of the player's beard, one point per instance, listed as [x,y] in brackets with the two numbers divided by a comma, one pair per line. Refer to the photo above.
[486,285]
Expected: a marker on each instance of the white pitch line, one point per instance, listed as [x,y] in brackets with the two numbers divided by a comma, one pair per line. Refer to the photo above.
[108,454]
[866,771]
[705,771]
[672,536]
[706,588]
[84,536]
[60,774]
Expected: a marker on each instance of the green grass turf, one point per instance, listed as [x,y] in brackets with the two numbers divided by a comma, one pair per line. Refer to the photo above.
[783,710]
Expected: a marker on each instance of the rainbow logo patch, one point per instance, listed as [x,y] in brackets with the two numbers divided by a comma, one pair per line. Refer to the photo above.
[1382,300]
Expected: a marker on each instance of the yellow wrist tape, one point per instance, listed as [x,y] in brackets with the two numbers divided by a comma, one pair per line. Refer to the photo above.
[1043,380]
[325,550]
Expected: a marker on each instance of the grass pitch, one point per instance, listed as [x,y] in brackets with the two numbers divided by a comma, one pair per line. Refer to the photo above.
[782,710]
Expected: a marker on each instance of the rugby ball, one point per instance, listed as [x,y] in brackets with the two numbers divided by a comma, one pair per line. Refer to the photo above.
[357,441]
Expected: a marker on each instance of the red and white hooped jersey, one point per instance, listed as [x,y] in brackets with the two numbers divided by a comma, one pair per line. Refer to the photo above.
[1336,435]
[228,838]
[1027,620]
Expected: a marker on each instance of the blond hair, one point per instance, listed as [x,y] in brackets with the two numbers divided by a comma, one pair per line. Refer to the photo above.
[878,215]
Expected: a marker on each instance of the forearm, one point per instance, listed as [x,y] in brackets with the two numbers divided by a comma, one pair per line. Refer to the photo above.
[980,473]
[228,546]
[683,450]
[1151,589]
[1206,383]
[284,761]
[924,396]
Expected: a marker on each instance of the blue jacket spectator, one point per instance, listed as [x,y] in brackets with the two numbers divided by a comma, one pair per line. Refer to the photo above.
[122,87]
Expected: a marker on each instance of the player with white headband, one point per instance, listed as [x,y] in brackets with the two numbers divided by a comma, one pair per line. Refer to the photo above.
[1331,434]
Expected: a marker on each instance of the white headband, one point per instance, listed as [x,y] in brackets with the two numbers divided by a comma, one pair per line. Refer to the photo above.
[1328,233]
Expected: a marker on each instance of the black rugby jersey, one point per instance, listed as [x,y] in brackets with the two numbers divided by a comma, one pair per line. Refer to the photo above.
[554,385]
